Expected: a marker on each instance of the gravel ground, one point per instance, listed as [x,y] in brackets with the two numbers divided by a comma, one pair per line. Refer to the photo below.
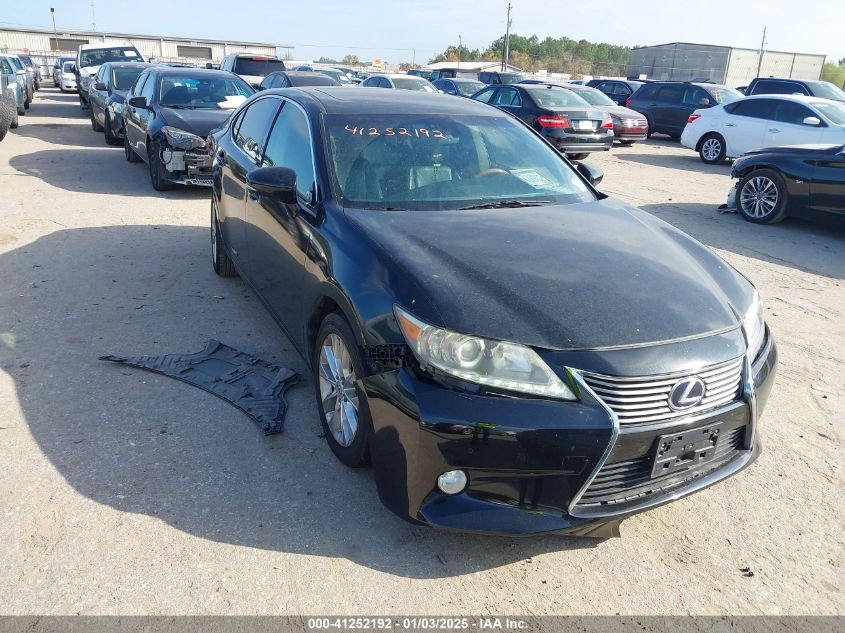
[123,492]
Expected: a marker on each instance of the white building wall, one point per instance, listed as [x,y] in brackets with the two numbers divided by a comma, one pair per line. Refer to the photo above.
[743,64]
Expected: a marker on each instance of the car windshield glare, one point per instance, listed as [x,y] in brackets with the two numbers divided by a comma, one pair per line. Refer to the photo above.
[184,91]
[100,56]
[410,83]
[555,97]
[725,95]
[835,112]
[434,162]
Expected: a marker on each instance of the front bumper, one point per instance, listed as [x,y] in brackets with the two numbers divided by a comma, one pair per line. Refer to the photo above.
[622,133]
[530,461]
[188,167]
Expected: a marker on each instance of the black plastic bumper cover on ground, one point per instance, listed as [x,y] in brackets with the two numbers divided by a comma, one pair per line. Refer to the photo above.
[254,386]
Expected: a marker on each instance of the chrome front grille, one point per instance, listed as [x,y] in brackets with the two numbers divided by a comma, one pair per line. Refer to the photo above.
[645,399]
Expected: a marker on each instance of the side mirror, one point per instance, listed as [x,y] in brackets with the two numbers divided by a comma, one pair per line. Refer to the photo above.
[592,173]
[812,120]
[278,182]
[138,102]
[100,86]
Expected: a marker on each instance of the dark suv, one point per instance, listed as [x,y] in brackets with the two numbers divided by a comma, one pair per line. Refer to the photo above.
[775,86]
[667,105]
[617,89]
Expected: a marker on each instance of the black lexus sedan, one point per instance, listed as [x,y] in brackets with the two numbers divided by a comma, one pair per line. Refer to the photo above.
[513,351]
[794,180]
[566,120]
[168,116]
[107,98]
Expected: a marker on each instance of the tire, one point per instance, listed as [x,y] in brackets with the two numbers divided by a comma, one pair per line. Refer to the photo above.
[128,152]
[14,124]
[21,110]
[157,176]
[712,149]
[650,127]
[347,426]
[111,139]
[220,259]
[626,143]
[27,102]
[761,197]
[579,156]
[94,124]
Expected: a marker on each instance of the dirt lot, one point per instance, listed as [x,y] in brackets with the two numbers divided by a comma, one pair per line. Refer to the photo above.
[126,492]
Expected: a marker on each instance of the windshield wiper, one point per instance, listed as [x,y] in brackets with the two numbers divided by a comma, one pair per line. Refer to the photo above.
[176,106]
[507,204]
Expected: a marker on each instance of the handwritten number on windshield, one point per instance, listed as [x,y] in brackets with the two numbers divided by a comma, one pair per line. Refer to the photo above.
[414,132]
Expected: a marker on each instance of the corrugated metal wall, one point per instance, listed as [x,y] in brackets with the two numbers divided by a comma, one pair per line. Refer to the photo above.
[743,66]
[680,62]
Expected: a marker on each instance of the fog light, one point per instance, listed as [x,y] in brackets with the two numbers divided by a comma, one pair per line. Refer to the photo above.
[452,482]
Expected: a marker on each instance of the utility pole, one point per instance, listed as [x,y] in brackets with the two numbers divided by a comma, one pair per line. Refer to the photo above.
[55,32]
[506,53]
[460,48]
[93,18]
[762,48]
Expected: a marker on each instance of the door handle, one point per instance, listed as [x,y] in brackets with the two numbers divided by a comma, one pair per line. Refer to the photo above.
[774,130]
[730,124]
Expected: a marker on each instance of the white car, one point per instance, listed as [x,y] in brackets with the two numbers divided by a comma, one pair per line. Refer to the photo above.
[66,77]
[90,57]
[400,82]
[730,130]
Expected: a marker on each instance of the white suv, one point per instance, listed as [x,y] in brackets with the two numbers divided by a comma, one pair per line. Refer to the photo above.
[251,67]
[730,130]
[91,56]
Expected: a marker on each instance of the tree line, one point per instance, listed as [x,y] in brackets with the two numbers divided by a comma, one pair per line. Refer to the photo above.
[561,55]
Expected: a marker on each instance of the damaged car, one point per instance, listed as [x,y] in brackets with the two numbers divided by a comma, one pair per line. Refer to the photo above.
[168,115]
[107,97]
[513,351]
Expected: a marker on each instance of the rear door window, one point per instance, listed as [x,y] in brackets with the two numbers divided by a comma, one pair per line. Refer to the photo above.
[508,97]
[253,127]
[754,108]
[484,95]
[670,94]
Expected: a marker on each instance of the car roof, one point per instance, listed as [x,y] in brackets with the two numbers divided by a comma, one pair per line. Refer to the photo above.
[259,55]
[401,76]
[98,45]
[129,64]
[365,101]
[798,98]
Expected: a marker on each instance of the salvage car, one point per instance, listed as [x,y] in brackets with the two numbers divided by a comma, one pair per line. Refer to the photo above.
[107,98]
[629,126]
[16,83]
[58,67]
[250,67]
[168,115]
[513,351]
[67,77]
[27,78]
[31,67]
[8,106]
[728,131]
[568,122]
[398,82]
[287,79]
[90,57]
[458,87]
[791,181]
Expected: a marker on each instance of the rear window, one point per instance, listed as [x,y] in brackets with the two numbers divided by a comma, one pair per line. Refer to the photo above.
[555,97]
[410,83]
[724,95]
[99,56]
[257,66]
[123,78]
[595,97]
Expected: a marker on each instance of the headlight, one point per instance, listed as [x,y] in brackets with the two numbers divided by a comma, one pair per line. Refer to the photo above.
[754,326]
[180,139]
[497,364]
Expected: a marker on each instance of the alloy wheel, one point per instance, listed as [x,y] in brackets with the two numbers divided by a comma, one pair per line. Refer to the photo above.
[711,149]
[338,396]
[759,197]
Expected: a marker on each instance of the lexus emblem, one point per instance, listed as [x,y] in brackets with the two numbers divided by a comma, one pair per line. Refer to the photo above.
[686,393]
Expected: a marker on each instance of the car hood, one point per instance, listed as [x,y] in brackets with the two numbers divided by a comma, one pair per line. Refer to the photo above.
[575,276]
[824,149]
[199,121]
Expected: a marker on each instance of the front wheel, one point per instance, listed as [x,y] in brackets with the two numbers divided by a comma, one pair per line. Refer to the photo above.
[128,152]
[21,110]
[111,139]
[761,197]
[95,125]
[712,149]
[158,178]
[337,365]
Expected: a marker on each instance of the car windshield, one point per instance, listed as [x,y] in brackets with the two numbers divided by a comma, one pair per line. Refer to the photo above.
[410,83]
[469,87]
[99,56]
[725,95]
[257,66]
[555,97]
[510,78]
[826,90]
[595,97]
[834,111]
[123,78]
[185,91]
[67,67]
[434,162]
[27,61]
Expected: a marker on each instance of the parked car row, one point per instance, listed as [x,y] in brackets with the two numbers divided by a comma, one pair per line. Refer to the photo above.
[22,79]
[8,107]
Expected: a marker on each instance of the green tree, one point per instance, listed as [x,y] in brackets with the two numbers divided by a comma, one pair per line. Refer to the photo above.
[351,60]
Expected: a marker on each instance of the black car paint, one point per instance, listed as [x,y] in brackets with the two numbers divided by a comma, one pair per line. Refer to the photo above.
[617,89]
[528,459]
[101,100]
[143,125]
[295,79]
[814,176]
[565,140]
[670,116]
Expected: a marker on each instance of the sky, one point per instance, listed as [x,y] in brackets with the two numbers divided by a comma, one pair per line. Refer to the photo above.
[416,30]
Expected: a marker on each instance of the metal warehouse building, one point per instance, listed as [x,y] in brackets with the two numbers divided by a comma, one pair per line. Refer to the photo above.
[43,44]
[681,61]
